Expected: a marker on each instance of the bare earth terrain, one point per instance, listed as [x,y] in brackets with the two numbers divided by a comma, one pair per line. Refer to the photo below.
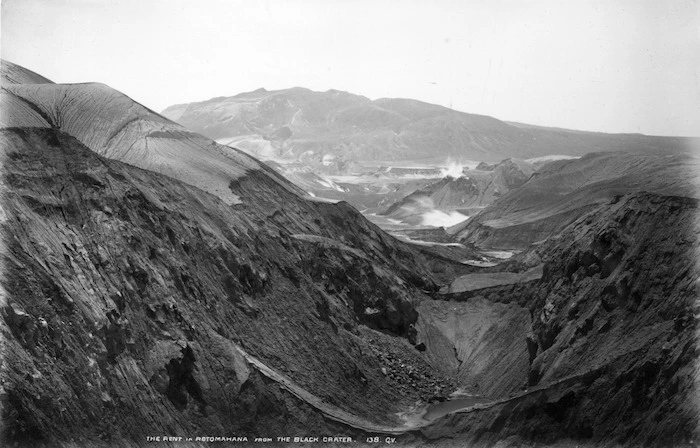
[157,282]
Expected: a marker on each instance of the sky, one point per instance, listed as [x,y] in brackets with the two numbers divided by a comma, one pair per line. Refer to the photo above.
[610,66]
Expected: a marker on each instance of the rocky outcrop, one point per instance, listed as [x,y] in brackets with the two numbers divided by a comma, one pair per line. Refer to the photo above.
[613,344]
[132,304]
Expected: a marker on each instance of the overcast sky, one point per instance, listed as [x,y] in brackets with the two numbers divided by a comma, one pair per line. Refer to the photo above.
[613,66]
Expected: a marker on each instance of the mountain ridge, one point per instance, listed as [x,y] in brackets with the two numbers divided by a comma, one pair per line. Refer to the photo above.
[11,73]
[562,190]
[390,128]
[122,129]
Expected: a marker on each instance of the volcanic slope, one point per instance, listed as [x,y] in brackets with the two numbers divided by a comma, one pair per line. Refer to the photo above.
[15,74]
[563,190]
[132,304]
[115,126]
[613,341]
[333,130]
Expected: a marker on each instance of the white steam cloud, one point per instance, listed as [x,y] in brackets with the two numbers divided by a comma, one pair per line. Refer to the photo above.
[419,203]
[424,207]
[438,218]
[453,169]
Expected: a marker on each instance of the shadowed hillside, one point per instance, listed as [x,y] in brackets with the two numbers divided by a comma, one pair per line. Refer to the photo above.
[121,279]
[613,345]
[118,279]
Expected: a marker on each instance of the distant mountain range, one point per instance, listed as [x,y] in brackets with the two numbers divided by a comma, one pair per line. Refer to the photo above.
[334,130]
